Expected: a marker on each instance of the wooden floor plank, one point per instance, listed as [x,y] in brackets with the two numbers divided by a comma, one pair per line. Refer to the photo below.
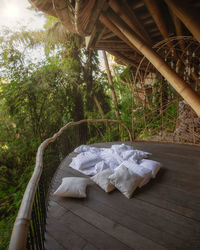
[162,215]
[125,235]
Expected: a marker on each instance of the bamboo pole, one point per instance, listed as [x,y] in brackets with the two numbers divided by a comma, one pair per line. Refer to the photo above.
[118,33]
[126,13]
[114,97]
[180,86]
[21,225]
[123,58]
[98,106]
[187,14]
[154,9]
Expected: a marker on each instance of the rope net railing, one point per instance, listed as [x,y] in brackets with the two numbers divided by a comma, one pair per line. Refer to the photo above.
[29,228]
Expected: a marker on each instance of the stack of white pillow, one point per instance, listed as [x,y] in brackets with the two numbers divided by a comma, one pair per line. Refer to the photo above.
[126,178]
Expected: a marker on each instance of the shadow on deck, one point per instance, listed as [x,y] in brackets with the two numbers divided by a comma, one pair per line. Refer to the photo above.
[164,214]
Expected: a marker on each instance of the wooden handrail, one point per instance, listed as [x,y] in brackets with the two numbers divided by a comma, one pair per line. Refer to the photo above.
[21,225]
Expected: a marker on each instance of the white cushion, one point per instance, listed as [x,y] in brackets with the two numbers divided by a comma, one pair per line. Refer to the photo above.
[125,181]
[72,187]
[145,173]
[102,180]
[154,166]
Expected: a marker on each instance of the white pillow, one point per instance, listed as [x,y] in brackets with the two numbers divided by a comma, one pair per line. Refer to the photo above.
[125,181]
[145,173]
[154,166]
[102,180]
[72,187]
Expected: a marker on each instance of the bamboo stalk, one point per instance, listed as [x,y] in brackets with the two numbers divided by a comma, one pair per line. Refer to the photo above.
[180,86]
[187,14]
[112,27]
[126,13]
[122,58]
[154,9]
[114,97]
[98,106]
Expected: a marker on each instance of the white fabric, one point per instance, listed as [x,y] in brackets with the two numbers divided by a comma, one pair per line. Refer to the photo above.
[85,160]
[90,160]
[145,173]
[154,166]
[135,155]
[72,187]
[125,180]
[100,166]
[111,158]
[102,180]
[85,148]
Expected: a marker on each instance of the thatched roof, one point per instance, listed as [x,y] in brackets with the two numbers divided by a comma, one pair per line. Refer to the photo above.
[151,20]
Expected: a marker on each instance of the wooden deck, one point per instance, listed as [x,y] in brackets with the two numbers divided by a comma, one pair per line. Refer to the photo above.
[164,214]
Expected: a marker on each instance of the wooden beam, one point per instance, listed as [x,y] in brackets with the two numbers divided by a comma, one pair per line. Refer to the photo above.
[114,29]
[156,13]
[191,97]
[95,35]
[123,58]
[129,17]
[187,14]
[178,28]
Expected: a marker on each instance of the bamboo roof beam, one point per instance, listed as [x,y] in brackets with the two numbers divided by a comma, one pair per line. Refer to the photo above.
[114,29]
[123,58]
[191,97]
[108,35]
[156,12]
[187,14]
[129,17]
[178,28]
[96,34]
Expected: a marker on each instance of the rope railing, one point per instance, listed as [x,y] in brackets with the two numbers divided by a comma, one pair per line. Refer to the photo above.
[29,227]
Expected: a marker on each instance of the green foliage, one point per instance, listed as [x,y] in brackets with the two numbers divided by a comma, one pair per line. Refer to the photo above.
[37,99]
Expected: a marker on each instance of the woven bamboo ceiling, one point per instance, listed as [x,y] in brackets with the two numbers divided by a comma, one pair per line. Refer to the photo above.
[151,20]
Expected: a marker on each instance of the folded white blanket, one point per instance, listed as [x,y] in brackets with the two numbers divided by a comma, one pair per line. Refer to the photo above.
[154,166]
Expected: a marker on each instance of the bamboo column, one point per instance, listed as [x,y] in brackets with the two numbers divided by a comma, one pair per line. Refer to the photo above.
[187,14]
[180,86]
[99,106]
[114,97]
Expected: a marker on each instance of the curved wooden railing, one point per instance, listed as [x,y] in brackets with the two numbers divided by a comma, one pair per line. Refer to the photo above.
[35,196]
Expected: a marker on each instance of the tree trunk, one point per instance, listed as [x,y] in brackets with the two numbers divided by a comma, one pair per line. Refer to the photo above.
[114,97]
